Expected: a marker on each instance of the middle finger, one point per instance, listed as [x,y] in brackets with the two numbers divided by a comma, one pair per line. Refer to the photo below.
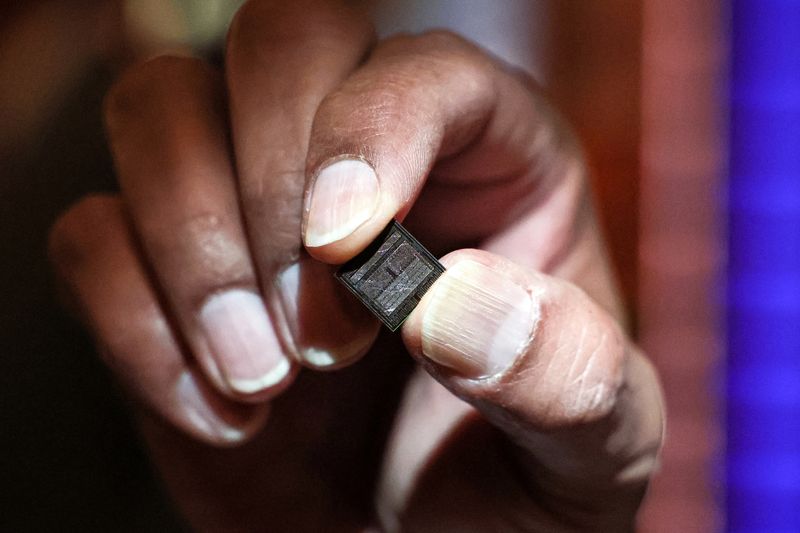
[166,127]
[282,59]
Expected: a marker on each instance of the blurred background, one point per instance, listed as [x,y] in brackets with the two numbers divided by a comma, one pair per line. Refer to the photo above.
[690,115]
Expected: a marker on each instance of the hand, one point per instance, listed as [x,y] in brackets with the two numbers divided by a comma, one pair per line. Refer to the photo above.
[528,407]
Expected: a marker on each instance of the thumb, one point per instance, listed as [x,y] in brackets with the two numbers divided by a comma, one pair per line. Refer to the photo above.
[546,365]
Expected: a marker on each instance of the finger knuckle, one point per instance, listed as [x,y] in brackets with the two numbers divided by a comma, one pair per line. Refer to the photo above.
[205,247]
[569,378]
[592,388]
[133,346]
[454,50]
[443,59]
[259,22]
[244,28]
[595,394]
[370,122]
[272,201]
[263,25]
[75,233]
[146,84]
[371,107]
[444,39]
[197,232]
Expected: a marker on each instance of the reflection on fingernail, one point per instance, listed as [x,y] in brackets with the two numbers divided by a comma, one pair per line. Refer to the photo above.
[243,342]
[318,358]
[324,335]
[200,414]
[332,357]
[344,195]
[477,320]
[288,290]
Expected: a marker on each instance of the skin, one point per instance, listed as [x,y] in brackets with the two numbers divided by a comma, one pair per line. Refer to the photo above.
[213,167]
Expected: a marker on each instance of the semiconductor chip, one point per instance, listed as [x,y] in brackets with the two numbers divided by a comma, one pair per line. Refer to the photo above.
[391,275]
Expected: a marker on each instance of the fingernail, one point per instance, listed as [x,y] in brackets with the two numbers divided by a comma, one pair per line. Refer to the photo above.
[243,342]
[327,339]
[344,195]
[201,415]
[477,320]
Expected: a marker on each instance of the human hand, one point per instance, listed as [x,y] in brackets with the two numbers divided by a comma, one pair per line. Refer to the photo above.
[529,407]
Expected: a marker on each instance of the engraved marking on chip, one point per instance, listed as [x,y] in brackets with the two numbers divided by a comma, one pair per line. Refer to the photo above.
[386,246]
[391,275]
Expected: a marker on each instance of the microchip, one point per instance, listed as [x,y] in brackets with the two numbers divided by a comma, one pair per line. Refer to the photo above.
[391,275]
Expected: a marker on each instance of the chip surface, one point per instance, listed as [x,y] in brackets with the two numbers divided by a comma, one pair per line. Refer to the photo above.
[391,275]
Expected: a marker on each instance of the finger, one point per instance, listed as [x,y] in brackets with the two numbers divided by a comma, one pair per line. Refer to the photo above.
[166,125]
[502,166]
[92,251]
[544,363]
[416,100]
[282,58]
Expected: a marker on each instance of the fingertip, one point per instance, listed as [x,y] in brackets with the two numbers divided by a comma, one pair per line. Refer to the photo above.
[324,327]
[245,358]
[217,421]
[269,380]
[261,389]
[342,196]
[476,320]
[346,206]
[344,249]
[340,356]
[495,331]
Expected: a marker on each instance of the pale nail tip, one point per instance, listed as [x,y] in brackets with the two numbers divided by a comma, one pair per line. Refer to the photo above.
[315,239]
[271,378]
[214,431]
[325,358]
[201,417]
[198,421]
[231,435]
[317,357]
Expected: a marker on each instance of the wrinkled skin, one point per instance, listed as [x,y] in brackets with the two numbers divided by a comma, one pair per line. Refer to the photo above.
[213,166]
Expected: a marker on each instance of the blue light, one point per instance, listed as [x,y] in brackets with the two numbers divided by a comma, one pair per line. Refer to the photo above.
[763,278]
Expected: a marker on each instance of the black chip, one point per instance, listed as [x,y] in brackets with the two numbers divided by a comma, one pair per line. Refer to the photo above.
[391,274]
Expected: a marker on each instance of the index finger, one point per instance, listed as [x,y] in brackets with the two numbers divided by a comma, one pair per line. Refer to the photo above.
[418,100]
[503,167]
[282,58]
